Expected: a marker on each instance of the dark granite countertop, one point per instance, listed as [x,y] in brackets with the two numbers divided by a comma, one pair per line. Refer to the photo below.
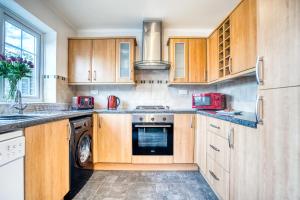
[245,119]
[40,118]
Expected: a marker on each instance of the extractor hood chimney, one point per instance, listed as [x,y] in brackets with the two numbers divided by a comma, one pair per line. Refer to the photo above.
[152,47]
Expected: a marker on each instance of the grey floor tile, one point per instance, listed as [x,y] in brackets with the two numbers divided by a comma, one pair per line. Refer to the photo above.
[136,185]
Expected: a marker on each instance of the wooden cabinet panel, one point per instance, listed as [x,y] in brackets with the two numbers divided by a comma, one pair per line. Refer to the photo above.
[197,60]
[200,143]
[178,56]
[152,159]
[125,51]
[114,138]
[218,150]
[80,56]
[218,178]
[184,133]
[212,57]
[280,130]
[245,163]
[47,161]
[218,126]
[279,42]
[243,36]
[103,61]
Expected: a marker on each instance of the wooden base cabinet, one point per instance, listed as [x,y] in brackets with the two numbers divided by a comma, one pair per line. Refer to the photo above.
[280,128]
[245,163]
[47,161]
[200,143]
[112,138]
[184,134]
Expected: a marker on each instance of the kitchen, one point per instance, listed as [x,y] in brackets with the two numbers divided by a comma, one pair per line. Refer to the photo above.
[161,100]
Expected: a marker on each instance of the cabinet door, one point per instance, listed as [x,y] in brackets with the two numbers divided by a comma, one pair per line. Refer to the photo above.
[47,161]
[178,53]
[212,57]
[197,60]
[279,42]
[125,51]
[200,143]
[243,37]
[245,163]
[104,61]
[80,56]
[114,140]
[184,133]
[280,110]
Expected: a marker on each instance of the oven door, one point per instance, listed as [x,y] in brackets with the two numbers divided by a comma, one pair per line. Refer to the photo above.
[152,139]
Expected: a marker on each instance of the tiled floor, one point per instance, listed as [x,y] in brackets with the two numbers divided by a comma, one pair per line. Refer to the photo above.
[134,185]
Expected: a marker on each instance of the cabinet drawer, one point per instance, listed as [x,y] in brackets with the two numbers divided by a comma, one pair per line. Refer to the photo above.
[218,149]
[218,126]
[218,178]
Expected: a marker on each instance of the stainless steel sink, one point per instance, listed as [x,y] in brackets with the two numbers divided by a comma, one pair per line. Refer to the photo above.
[16,117]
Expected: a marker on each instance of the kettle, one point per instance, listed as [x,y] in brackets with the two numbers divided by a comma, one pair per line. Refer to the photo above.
[113,102]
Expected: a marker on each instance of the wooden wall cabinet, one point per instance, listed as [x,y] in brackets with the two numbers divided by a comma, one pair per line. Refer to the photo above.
[125,51]
[212,57]
[278,43]
[184,138]
[243,33]
[47,161]
[112,138]
[80,61]
[188,60]
[101,61]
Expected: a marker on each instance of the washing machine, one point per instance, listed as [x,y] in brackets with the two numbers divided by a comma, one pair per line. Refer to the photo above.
[80,154]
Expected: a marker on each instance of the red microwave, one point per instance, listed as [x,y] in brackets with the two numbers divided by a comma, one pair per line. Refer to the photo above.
[209,101]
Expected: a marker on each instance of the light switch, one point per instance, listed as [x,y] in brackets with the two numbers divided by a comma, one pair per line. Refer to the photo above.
[182,92]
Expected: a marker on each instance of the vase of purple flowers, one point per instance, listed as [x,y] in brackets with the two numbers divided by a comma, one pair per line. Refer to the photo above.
[14,69]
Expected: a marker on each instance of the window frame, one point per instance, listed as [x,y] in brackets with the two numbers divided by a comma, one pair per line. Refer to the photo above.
[12,18]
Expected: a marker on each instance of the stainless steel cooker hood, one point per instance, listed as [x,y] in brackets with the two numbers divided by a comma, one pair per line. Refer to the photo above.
[152,47]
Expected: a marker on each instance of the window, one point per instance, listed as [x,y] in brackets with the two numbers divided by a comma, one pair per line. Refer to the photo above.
[22,40]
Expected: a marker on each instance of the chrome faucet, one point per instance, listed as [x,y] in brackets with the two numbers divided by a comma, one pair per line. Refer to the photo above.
[18,102]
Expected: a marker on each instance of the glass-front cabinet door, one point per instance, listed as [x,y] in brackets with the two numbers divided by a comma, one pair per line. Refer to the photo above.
[125,49]
[178,55]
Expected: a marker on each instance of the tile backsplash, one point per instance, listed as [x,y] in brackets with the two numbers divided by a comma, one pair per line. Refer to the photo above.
[152,89]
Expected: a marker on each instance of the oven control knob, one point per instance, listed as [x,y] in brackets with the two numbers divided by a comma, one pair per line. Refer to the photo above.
[164,119]
[152,118]
[141,119]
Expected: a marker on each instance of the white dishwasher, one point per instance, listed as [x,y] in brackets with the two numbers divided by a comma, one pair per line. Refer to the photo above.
[12,152]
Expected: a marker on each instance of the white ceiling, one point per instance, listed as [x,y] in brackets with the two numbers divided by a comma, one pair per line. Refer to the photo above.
[129,14]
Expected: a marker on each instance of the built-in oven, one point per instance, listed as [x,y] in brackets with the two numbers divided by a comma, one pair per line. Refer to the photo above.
[152,134]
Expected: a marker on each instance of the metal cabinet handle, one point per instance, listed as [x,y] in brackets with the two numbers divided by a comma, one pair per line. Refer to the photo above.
[258,112]
[214,148]
[192,122]
[69,132]
[89,75]
[95,75]
[99,122]
[258,70]
[230,65]
[230,138]
[214,126]
[213,175]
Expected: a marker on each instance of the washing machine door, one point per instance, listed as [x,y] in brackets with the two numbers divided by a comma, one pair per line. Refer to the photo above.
[83,150]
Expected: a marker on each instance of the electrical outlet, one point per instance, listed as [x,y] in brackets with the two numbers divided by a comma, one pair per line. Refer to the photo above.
[94,92]
[182,92]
